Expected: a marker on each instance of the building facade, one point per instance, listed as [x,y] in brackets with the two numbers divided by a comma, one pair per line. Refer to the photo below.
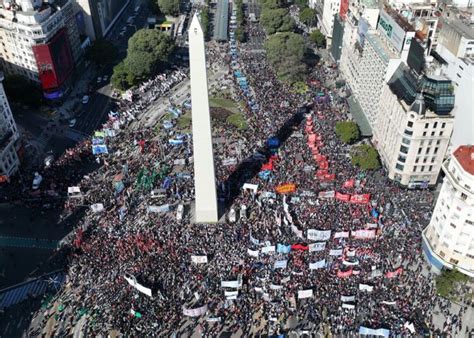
[9,162]
[40,41]
[100,15]
[448,240]
[414,128]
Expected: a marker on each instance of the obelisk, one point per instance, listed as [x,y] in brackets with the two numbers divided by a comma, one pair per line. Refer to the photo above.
[204,178]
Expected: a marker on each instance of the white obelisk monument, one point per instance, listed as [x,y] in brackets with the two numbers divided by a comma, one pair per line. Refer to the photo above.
[204,178]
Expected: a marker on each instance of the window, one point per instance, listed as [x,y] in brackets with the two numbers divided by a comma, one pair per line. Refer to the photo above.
[454,261]
[422,168]
[402,158]
[410,124]
[435,125]
[424,133]
[404,149]
[452,225]
[399,166]
[463,196]
[417,160]
[419,151]
[427,125]
[432,133]
[438,142]
[443,125]
[415,168]
[435,150]
[424,160]
[442,254]
[427,150]
[406,141]
[441,133]
[408,132]
[431,168]
[470,256]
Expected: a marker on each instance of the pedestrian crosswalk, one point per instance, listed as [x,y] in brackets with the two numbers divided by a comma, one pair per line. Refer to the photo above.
[22,242]
[18,293]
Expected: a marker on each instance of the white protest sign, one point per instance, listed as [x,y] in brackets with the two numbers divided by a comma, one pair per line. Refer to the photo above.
[195,312]
[280,264]
[268,249]
[318,235]
[253,253]
[305,294]
[199,259]
[317,246]
[365,287]
[317,265]
[132,281]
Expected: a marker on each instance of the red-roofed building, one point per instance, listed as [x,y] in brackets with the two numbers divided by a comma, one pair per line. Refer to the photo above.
[448,241]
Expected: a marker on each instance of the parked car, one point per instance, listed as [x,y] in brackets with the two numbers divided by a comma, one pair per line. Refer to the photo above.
[72,123]
[85,99]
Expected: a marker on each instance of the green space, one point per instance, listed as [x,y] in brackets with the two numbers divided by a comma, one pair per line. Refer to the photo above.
[366,157]
[347,131]
[219,102]
[238,121]
[318,38]
[300,87]
[184,121]
[308,17]
[449,282]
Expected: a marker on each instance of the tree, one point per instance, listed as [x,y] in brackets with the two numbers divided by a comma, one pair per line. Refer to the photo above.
[121,77]
[308,17]
[169,7]
[318,38]
[276,20]
[101,52]
[449,281]
[21,90]
[365,157]
[285,52]
[347,131]
[205,20]
[301,3]
[272,4]
[140,64]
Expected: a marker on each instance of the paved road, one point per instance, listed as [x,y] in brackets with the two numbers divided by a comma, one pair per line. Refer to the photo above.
[22,242]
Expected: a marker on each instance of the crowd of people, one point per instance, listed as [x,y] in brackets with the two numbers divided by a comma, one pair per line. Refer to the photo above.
[288,253]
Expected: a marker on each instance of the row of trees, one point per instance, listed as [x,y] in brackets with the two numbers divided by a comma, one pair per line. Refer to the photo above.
[239,32]
[165,7]
[149,51]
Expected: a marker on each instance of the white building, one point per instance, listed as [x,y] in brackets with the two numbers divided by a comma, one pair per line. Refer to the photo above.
[413,129]
[448,241]
[330,8]
[28,23]
[456,49]
[9,161]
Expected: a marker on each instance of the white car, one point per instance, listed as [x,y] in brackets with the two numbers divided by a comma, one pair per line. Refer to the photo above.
[99,79]
[85,99]
[37,181]
[105,78]
[72,123]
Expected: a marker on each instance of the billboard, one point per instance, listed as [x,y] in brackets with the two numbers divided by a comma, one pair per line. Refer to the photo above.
[362,30]
[344,8]
[54,61]
[391,30]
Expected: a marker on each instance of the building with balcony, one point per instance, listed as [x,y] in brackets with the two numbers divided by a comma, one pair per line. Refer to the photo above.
[40,41]
[448,240]
[9,161]
[414,126]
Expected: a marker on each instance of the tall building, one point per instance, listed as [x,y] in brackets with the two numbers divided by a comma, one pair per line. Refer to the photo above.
[9,161]
[455,51]
[40,41]
[448,241]
[414,127]
[98,16]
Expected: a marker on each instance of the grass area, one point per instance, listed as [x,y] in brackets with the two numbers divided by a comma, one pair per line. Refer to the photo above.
[219,102]
[237,120]
[300,87]
[184,122]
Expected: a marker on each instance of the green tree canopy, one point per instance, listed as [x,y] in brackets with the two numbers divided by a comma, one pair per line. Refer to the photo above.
[318,38]
[272,4]
[285,52]
[448,281]
[21,90]
[101,52]
[169,7]
[365,157]
[122,78]
[277,20]
[308,17]
[158,44]
[347,131]
[301,3]
[205,21]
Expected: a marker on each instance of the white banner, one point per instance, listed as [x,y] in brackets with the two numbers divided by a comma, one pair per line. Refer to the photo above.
[348,298]
[199,311]
[296,231]
[365,287]
[253,187]
[335,252]
[350,253]
[363,234]
[268,249]
[231,294]
[253,253]
[371,226]
[231,284]
[285,280]
[213,319]
[305,294]
[159,208]
[317,265]
[388,303]
[254,240]
[348,263]
[132,281]
[280,264]
[180,161]
[319,235]
[327,194]
[199,259]
[317,246]
[96,208]
[276,287]
[229,161]
[341,234]
[348,306]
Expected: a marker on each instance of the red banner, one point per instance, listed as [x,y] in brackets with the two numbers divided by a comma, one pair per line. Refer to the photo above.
[311,138]
[360,199]
[395,273]
[349,183]
[343,197]
[328,177]
[267,166]
[299,247]
[324,165]
[344,274]
[321,173]
[321,158]
[285,188]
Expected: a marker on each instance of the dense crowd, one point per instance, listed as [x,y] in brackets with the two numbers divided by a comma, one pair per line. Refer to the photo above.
[272,248]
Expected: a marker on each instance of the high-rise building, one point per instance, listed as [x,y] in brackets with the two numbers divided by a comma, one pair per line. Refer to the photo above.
[9,161]
[414,127]
[448,240]
[100,15]
[40,41]
[455,51]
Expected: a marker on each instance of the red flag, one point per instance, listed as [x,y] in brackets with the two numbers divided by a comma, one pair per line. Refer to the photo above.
[349,183]
[324,165]
[360,199]
[344,274]
[299,247]
[343,197]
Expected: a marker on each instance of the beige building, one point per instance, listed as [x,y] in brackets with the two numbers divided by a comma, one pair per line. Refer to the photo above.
[9,161]
[29,23]
[448,241]
[414,127]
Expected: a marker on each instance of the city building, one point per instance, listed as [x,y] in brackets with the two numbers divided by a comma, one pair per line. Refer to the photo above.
[455,53]
[41,42]
[448,240]
[9,161]
[96,17]
[414,127]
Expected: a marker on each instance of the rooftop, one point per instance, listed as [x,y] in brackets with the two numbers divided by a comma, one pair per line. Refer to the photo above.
[465,157]
[460,27]
[399,19]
